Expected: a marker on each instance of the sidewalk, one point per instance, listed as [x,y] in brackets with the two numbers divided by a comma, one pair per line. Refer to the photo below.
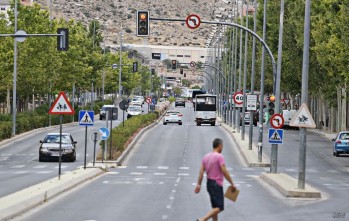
[328,135]
[285,184]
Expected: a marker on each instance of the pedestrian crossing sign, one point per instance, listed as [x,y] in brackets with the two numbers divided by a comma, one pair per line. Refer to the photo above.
[275,136]
[86,118]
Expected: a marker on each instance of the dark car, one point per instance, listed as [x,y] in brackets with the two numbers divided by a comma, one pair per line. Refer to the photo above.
[109,108]
[180,102]
[49,148]
[247,118]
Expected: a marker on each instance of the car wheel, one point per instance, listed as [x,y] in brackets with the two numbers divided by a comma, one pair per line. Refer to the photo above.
[179,123]
[198,124]
[41,159]
[100,118]
[165,123]
[213,124]
[336,154]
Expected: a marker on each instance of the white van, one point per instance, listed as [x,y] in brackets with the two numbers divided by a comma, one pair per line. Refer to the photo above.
[288,115]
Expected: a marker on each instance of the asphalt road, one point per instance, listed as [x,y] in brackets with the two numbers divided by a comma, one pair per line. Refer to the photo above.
[157,183]
[19,160]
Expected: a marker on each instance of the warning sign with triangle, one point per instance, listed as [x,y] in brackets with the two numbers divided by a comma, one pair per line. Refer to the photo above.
[275,136]
[86,118]
[61,105]
[303,118]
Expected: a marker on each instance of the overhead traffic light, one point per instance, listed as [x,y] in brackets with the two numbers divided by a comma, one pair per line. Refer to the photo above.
[63,39]
[174,64]
[143,23]
[153,71]
[135,67]
[181,70]
[185,75]
[271,105]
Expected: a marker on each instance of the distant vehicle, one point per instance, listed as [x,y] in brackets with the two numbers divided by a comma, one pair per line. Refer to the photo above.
[288,115]
[141,98]
[247,118]
[341,143]
[205,109]
[109,108]
[134,110]
[173,116]
[136,101]
[180,102]
[49,148]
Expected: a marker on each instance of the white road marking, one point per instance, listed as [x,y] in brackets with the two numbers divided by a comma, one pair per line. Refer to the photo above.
[171,198]
[252,176]
[291,170]
[112,173]
[312,171]
[173,191]
[122,167]
[136,173]
[4,158]
[39,166]
[159,174]
[18,166]
[44,172]
[183,174]
[332,171]
[184,168]
[160,183]
[178,179]
[105,182]
[21,172]
[249,169]
[168,207]
[61,167]
[142,167]
[164,216]
[162,167]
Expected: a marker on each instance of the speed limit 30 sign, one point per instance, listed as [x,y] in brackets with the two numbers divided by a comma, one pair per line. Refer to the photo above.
[238,98]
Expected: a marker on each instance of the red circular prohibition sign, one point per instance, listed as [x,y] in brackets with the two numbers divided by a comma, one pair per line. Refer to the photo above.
[196,21]
[277,121]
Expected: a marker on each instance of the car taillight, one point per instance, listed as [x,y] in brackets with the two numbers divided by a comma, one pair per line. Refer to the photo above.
[338,141]
[179,115]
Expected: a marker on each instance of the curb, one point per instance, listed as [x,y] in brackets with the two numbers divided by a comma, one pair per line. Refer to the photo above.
[19,202]
[250,156]
[287,186]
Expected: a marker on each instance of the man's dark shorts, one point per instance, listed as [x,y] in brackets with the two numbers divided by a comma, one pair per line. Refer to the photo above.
[216,194]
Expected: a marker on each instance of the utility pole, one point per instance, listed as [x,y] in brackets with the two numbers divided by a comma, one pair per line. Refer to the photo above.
[235,66]
[253,73]
[304,98]
[120,67]
[14,95]
[261,99]
[245,79]
[240,67]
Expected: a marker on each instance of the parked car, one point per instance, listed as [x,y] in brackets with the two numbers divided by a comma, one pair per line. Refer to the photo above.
[136,101]
[247,118]
[341,143]
[108,107]
[180,102]
[141,98]
[173,116]
[134,110]
[49,148]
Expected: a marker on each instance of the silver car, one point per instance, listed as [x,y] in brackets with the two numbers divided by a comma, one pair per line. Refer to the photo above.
[173,116]
[49,148]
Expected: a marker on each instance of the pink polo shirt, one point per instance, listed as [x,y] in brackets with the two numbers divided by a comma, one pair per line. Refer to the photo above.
[212,163]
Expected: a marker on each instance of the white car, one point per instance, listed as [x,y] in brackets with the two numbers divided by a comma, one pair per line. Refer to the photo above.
[141,98]
[134,110]
[173,116]
[136,101]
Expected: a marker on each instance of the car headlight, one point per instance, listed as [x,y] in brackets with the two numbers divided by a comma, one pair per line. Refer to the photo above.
[68,150]
[43,149]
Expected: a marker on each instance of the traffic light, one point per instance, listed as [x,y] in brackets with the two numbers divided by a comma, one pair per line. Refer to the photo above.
[153,71]
[185,75]
[135,67]
[181,70]
[174,64]
[62,39]
[143,23]
[271,105]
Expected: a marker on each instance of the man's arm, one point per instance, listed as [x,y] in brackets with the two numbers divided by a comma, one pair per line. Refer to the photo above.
[201,176]
[227,175]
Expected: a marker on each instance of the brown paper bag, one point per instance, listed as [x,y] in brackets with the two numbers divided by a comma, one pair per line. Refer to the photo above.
[232,195]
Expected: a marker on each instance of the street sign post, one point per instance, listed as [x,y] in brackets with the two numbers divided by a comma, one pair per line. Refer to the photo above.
[61,106]
[193,21]
[104,133]
[123,106]
[95,136]
[251,102]
[192,64]
[275,136]
[238,98]
[277,121]
[86,118]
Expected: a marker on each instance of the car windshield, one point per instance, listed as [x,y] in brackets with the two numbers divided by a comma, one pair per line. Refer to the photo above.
[344,136]
[134,108]
[54,138]
[180,99]
[172,112]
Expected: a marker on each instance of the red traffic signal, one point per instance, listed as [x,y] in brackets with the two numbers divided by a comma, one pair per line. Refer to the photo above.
[174,64]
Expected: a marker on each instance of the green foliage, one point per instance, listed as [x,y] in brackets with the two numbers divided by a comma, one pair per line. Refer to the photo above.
[121,135]
[171,99]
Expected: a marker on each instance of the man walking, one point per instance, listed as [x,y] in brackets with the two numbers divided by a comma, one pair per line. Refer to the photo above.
[214,166]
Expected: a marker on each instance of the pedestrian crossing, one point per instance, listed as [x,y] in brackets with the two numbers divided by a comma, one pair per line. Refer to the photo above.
[21,169]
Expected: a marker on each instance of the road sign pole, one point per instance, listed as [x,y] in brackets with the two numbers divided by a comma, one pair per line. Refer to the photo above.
[105,142]
[60,146]
[123,118]
[85,147]
[94,147]
[305,70]
[274,158]
[111,128]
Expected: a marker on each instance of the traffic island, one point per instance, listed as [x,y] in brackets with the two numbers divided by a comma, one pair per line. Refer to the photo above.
[17,203]
[288,186]
[250,156]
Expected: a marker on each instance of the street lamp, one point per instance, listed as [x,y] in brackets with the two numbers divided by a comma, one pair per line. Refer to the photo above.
[94,31]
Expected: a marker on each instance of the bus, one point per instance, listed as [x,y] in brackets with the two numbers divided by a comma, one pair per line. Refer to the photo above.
[205,109]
